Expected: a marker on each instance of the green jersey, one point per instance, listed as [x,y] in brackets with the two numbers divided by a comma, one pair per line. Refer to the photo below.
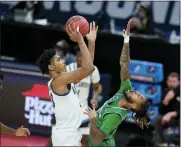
[110,116]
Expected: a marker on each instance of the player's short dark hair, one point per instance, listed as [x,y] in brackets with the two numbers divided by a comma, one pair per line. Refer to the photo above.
[1,76]
[141,118]
[174,74]
[45,59]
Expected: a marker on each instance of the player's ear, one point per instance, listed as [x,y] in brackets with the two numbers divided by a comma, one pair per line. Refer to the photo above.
[50,67]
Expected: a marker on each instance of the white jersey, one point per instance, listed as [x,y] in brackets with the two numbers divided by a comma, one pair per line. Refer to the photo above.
[83,87]
[68,116]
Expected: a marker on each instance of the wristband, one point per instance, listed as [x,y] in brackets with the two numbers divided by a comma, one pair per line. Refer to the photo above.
[126,39]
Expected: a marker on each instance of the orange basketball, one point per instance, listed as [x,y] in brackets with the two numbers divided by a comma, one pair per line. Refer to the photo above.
[79,21]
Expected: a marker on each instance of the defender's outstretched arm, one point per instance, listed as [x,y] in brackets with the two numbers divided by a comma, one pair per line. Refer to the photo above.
[125,55]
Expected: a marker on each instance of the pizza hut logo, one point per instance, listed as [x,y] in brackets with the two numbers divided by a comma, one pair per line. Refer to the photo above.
[38,107]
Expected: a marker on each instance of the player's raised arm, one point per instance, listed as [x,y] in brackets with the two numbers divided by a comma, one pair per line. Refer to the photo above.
[125,55]
[87,66]
[91,37]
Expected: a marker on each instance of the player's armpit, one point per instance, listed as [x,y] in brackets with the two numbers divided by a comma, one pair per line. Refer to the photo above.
[97,136]
[74,76]
[125,85]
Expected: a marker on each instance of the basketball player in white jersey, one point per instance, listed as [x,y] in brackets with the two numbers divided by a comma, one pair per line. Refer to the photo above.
[83,87]
[67,110]
[91,37]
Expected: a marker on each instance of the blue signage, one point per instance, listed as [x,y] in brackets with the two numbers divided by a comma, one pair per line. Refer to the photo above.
[146,71]
[152,92]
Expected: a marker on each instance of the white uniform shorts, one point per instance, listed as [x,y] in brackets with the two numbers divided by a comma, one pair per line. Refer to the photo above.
[66,137]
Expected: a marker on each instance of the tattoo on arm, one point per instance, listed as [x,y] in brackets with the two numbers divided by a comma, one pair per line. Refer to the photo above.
[96,135]
[124,62]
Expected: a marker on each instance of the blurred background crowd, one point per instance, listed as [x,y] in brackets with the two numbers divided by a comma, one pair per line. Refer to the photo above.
[29,27]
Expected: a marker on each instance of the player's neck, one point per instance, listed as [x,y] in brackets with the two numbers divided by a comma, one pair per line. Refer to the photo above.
[124,104]
[53,74]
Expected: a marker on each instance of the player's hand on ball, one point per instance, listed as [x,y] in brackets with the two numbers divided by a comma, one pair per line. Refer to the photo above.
[127,31]
[92,35]
[91,112]
[74,33]
[94,102]
[22,132]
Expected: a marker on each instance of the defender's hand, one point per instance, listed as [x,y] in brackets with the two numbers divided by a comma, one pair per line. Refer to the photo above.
[74,33]
[127,31]
[92,32]
[91,112]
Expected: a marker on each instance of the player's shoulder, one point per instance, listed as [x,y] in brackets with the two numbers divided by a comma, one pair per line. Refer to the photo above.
[125,82]
[59,80]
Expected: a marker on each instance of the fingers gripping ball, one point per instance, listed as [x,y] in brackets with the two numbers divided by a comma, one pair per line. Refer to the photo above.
[79,21]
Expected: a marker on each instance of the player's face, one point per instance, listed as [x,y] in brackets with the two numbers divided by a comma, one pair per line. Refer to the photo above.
[78,58]
[135,97]
[58,64]
[172,82]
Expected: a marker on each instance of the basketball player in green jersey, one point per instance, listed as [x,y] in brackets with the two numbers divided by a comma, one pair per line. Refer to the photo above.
[104,122]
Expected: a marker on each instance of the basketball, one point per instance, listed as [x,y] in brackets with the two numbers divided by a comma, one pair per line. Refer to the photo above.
[79,21]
